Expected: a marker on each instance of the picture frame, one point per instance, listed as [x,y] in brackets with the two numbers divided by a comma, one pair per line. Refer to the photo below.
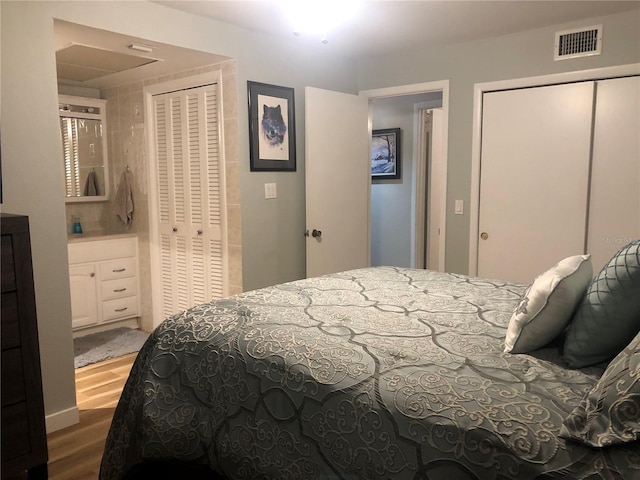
[272,128]
[386,158]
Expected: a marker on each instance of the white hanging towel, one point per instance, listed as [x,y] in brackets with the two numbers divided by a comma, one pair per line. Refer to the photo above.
[124,198]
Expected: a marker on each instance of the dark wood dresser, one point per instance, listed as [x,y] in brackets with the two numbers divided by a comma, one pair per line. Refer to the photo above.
[24,439]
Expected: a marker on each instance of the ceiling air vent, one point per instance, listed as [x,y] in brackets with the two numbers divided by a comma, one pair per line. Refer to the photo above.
[579,42]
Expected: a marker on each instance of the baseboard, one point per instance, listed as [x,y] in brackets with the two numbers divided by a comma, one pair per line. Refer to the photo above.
[63,419]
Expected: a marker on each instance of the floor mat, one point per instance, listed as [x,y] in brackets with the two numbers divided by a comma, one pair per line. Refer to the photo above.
[100,346]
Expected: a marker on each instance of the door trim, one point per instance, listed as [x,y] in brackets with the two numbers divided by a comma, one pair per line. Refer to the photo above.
[420,168]
[479,89]
[418,187]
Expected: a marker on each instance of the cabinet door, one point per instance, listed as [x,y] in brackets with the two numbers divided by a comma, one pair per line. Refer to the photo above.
[534,179]
[84,299]
[614,211]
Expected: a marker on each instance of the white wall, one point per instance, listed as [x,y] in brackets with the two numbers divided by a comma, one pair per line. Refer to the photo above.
[273,244]
[519,55]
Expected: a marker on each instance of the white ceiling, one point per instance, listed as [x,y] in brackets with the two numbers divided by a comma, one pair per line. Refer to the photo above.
[390,25]
[380,26]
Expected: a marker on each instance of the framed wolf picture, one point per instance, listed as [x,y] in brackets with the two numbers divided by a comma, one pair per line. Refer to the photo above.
[272,133]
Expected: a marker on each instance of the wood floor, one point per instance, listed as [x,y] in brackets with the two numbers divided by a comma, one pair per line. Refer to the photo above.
[75,452]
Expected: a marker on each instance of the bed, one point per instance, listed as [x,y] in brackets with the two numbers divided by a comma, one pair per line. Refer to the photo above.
[376,373]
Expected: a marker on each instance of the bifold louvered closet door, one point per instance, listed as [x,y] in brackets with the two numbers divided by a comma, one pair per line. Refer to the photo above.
[190,197]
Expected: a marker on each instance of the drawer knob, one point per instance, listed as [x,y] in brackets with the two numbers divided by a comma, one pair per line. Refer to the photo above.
[92,274]
[121,309]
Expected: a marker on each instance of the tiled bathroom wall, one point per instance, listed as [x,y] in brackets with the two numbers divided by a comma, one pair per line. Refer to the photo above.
[127,149]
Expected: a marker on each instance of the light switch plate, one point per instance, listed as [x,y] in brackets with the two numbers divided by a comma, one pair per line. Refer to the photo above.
[459,207]
[270,190]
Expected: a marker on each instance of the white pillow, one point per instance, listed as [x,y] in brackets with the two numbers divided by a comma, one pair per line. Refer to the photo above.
[548,305]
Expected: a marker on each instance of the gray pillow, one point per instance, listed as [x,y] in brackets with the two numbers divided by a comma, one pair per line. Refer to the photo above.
[610,413]
[608,317]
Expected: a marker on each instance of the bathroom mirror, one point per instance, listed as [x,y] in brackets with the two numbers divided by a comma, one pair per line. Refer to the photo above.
[84,148]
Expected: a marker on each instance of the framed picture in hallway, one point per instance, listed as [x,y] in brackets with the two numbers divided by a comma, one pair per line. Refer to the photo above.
[385,154]
[272,129]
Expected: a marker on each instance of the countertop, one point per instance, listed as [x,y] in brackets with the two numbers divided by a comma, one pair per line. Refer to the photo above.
[92,237]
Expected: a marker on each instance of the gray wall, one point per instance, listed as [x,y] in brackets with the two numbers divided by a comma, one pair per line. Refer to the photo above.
[521,55]
[391,215]
[273,244]
[525,54]
[391,199]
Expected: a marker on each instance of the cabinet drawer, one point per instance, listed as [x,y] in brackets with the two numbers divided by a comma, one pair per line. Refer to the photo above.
[120,308]
[6,265]
[120,287]
[13,390]
[15,431]
[10,322]
[124,267]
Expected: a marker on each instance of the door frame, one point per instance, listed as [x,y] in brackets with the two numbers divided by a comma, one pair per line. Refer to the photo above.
[419,189]
[194,81]
[479,89]
[425,250]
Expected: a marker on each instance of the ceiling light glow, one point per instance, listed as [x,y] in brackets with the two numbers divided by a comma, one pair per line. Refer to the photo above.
[318,17]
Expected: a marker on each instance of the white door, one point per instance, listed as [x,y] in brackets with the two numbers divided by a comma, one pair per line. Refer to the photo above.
[435,193]
[533,179]
[338,178]
[614,218]
[189,227]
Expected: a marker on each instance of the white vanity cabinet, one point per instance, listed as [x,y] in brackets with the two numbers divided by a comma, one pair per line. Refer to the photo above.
[104,280]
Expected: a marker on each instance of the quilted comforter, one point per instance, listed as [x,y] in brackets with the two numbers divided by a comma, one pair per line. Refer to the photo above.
[379,373]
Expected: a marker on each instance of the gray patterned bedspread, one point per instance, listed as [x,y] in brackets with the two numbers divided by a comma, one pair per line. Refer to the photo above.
[380,373]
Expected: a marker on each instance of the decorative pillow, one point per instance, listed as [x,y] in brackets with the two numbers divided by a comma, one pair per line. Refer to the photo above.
[608,316]
[610,413]
[548,304]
